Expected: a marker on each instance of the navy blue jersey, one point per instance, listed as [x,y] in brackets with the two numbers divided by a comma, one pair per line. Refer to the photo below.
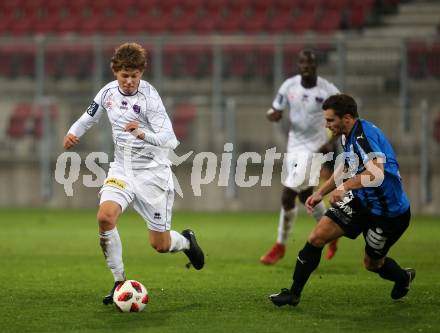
[367,142]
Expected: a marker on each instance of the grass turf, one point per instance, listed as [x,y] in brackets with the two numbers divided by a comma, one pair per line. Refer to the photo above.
[54,276]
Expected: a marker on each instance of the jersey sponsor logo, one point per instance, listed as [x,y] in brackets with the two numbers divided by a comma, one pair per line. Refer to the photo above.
[343,205]
[375,239]
[124,105]
[115,183]
[339,215]
[93,107]
[136,108]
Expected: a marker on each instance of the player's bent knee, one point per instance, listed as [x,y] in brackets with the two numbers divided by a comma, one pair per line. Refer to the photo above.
[316,239]
[107,221]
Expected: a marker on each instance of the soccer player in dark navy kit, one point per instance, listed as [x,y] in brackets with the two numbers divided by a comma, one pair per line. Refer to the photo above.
[367,197]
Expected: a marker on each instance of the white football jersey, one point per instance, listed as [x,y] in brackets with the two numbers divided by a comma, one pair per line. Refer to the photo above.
[307,125]
[144,106]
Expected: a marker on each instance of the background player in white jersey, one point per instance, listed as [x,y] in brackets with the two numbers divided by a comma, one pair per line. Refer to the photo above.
[303,95]
[141,172]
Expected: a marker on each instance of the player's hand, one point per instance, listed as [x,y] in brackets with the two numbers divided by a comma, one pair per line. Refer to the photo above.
[312,201]
[337,195]
[70,140]
[273,115]
[133,128]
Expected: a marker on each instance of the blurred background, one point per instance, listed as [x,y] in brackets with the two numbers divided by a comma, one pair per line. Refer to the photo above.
[217,65]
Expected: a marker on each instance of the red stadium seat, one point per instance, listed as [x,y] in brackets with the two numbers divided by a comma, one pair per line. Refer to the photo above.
[238,61]
[191,5]
[183,116]
[337,4]
[37,126]
[113,24]
[168,6]
[417,59]
[359,12]
[68,24]
[10,7]
[215,5]
[209,22]
[306,20]
[282,22]
[311,6]
[234,20]
[257,20]
[264,60]
[78,7]
[286,5]
[8,61]
[330,21]
[433,60]
[184,22]
[18,120]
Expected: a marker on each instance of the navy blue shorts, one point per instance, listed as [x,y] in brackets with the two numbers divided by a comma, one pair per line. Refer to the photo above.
[380,232]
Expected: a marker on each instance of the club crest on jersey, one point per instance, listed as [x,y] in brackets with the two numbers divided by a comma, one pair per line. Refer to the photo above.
[136,108]
[108,104]
[124,105]
[319,99]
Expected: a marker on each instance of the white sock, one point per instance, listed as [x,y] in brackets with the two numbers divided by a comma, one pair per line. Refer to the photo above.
[285,224]
[112,248]
[318,211]
[178,242]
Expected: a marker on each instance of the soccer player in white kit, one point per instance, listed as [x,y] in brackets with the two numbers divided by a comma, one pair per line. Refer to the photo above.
[141,172]
[303,96]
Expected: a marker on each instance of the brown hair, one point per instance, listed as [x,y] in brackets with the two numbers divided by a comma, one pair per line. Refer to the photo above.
[129,56]
[342,104]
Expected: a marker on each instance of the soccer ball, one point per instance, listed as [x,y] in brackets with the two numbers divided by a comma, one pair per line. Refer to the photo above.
[130,296]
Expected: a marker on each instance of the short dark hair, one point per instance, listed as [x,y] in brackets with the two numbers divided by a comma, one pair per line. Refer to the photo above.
[342,104]
[307,53]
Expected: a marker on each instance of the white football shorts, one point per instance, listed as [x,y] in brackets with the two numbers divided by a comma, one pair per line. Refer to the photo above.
[150,190]
[299,173]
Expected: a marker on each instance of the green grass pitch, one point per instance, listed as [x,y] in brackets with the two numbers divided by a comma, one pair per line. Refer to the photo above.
[53,276]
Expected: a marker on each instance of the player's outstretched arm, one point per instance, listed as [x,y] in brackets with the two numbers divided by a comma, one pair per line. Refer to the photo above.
[70,140]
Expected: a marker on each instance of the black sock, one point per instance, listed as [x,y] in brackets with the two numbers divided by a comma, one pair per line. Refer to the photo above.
[392,271]
[307,261]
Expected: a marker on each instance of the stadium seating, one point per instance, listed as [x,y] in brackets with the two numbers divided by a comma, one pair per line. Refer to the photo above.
[423,59]
[20,17]
[26,120]
[183,116]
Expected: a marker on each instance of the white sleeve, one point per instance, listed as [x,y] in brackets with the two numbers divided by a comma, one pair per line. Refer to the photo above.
[159,131]
[280,102]
[87,120]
